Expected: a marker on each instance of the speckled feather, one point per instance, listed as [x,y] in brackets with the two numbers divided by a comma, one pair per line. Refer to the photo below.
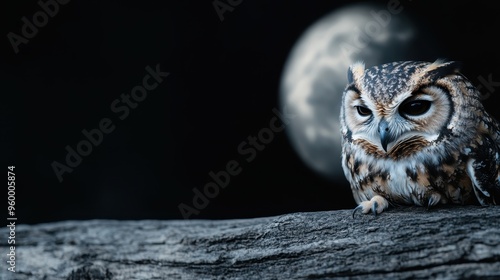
[449,154]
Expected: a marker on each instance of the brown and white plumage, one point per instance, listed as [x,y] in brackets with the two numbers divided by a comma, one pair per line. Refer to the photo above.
[416,133]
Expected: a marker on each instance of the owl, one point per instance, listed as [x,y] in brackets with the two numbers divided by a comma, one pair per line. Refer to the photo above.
[416,133]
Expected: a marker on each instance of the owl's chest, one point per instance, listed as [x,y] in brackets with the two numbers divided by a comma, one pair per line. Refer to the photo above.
[407,181]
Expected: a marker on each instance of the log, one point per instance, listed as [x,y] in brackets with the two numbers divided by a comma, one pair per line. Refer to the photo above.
[403,243]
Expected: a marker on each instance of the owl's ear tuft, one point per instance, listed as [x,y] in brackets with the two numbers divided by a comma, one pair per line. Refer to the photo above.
[350,79]
[355,71]
[439,69]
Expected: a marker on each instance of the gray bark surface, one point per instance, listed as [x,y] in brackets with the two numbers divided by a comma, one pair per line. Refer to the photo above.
[404,243]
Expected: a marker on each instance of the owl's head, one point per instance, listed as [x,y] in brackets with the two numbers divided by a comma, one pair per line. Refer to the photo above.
[399,108]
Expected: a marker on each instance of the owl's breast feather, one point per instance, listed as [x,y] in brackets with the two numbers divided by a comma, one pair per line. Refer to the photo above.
[407,179]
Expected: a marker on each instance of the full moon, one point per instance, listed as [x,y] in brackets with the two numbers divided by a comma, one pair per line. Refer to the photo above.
[315,74]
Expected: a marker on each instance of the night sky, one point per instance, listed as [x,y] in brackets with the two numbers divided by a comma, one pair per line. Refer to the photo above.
[76,75]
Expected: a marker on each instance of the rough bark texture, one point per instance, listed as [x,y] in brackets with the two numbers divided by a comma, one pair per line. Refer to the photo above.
[452,242]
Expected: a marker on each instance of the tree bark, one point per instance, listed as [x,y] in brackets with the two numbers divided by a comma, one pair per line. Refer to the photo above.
[404,243]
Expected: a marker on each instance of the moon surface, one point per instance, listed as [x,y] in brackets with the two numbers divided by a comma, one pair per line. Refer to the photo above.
[315,74]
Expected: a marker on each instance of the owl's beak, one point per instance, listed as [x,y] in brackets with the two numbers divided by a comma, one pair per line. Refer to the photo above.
[385,136]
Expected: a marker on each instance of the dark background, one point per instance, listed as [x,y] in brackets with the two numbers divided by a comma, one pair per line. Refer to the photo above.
[223,86]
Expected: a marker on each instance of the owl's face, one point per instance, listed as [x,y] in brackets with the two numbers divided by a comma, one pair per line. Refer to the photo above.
[397,107]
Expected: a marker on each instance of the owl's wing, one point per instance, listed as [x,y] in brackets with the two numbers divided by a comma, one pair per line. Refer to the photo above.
[483,169]
[352,173]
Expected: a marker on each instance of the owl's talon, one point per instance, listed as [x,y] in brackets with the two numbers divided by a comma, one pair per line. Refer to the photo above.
[376,204]
[434,200]
[374,208]
[356,210]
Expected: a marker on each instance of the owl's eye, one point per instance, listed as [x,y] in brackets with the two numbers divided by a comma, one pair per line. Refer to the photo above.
[415,107]
[363,111]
